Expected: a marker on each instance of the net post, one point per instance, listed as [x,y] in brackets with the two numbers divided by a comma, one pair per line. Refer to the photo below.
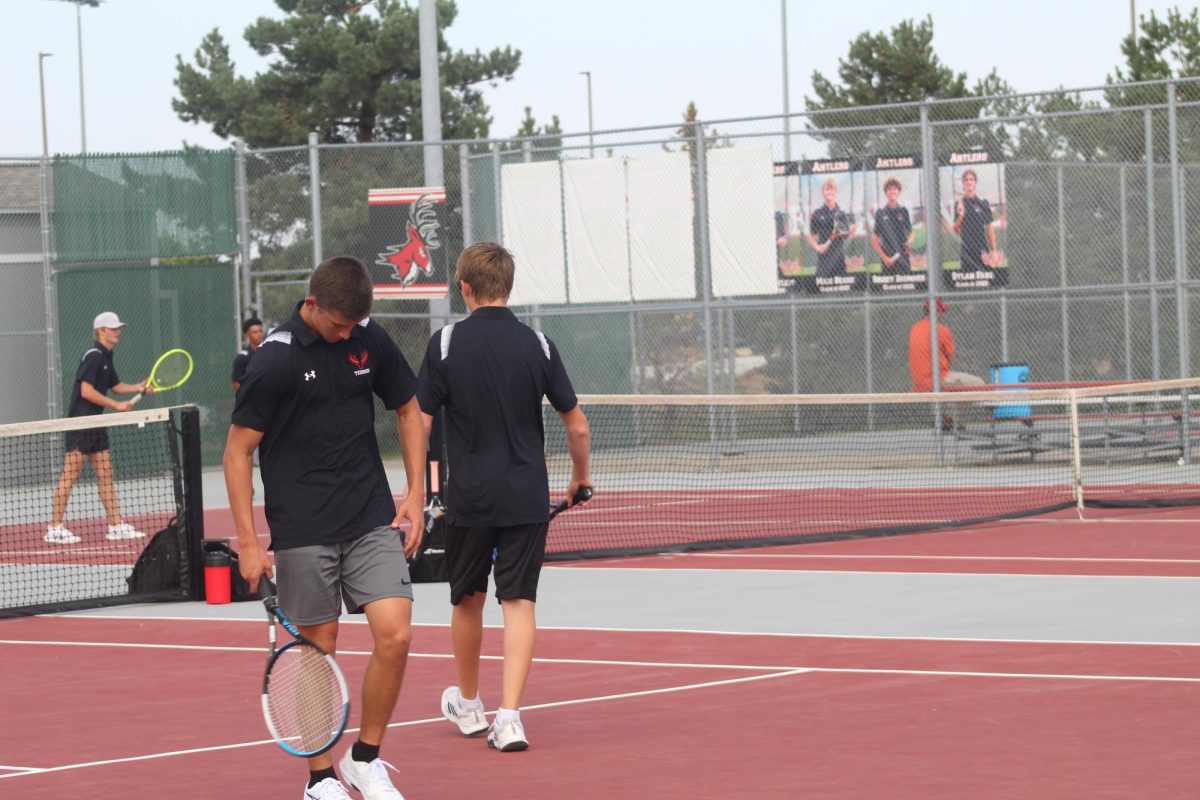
[1076,456]
[193,499]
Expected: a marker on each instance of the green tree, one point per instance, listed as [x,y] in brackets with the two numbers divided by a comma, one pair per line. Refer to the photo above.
[347,69]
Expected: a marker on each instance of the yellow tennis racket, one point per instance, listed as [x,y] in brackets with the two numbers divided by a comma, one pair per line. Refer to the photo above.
[171,371]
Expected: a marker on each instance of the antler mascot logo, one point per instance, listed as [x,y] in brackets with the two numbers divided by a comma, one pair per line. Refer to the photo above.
[411,259]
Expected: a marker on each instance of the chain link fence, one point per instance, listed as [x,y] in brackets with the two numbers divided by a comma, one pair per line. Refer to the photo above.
[681,258]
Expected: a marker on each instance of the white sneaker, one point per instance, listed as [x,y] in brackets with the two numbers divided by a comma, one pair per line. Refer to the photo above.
[508,738]
[369,778]
[470,720]
[57,534]
[328,789]
[123,530]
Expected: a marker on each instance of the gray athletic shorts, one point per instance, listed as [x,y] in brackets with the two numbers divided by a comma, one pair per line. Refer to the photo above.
[371,567]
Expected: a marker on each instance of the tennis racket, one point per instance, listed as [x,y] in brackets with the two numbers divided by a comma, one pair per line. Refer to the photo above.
[305,701]
[171,371]
[582,496]
[841,224]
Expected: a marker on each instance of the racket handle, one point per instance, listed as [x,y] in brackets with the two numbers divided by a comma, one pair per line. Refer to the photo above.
[133,401]
[582,496]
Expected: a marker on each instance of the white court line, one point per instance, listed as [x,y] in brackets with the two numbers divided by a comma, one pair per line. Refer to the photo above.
[784,672]
[935,558]
[710,632]
[873,572]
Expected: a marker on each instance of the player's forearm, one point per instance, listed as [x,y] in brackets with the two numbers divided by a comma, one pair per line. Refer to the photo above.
[414,440]
[579,443]
[877,246]
[89,393]
[128,388]
[238,486]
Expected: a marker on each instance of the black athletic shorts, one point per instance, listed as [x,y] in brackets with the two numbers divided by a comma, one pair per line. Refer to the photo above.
[519,550]
[86,441]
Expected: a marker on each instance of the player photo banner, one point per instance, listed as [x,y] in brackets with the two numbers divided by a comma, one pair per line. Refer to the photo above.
[819,234]
[406,243]
[974,219]
[895,220]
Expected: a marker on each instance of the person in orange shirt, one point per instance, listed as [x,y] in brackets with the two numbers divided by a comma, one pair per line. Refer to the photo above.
[920,355]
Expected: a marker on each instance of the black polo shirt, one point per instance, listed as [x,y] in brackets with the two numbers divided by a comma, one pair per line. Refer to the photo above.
[96,367]
[490,374]
[833,260]
[892,226]
[312,400]
[977,215]
[240,363]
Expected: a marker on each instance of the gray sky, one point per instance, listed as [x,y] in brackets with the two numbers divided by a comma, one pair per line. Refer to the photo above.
[648,58]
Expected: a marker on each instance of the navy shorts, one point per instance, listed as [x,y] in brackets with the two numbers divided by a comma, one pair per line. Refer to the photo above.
[519,551]
[94,440]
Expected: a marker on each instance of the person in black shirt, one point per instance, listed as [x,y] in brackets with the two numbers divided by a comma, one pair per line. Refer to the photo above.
[893,231]
[831,258]
[252,330]
[94,379]
[489,374]
[973,223]
[307,405]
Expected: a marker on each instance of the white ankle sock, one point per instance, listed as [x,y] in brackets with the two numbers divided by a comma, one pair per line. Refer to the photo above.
[504,715]
[464,703]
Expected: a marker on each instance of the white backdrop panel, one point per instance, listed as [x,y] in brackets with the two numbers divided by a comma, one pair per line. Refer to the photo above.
[741,221]
[531,214]
[662,248]
[597,248]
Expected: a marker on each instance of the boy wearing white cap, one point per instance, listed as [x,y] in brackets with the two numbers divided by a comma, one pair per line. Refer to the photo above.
[94,379]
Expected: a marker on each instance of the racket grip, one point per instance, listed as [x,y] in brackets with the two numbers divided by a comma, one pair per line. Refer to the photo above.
[133,401]
[582,496]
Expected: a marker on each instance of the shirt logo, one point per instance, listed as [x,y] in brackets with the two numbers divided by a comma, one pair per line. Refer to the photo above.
[359,361]
[310,376]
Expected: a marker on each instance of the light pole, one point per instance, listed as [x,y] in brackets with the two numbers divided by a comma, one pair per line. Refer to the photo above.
[79,44]
[42,88]
[787,120]
[591,140]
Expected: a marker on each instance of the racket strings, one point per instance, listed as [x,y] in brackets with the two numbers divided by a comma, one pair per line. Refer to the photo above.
[172,370]
[304,698]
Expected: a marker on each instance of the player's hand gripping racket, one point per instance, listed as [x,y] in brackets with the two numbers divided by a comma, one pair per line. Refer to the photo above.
[304,697]
[581,496]
[171,371]
[841,224]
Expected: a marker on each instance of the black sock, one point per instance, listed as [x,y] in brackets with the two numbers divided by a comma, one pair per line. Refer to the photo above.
[365,753]
[316,776]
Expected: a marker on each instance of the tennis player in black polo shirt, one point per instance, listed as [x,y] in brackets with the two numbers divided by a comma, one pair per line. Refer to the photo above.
[489,373]
[307,405]
[893,231]
[252,331]
[95,377]
[830,247]
[973,222]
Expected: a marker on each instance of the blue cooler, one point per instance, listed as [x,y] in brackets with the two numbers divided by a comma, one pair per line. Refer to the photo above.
[1009,374]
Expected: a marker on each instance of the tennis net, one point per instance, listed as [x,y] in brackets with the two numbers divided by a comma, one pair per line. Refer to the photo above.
[133,522]
[700,472]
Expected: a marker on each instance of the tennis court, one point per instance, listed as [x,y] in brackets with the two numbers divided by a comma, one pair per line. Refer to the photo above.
[1047,657]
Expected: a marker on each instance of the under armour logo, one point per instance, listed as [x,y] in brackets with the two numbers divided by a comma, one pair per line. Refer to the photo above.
[310,376]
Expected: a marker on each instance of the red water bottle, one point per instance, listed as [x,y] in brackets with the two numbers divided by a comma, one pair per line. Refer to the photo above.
[217,583]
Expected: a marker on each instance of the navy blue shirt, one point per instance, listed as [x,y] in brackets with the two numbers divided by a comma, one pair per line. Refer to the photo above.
[241,363]
[96,367]
[833,260]
[313,402]
[892,226]
[977,216]
[490,374]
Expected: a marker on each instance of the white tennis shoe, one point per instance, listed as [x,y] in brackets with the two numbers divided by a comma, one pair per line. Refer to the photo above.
[123,530]
[509,737]
[370,778]
[57,534]
[470,720]
[328,789]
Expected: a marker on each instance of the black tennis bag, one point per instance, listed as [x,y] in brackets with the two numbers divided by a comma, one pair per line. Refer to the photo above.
[158,568]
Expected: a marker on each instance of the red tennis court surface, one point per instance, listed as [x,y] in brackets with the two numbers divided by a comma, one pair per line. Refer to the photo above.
[112,708]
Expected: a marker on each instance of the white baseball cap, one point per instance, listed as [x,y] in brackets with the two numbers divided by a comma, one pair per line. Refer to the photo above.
[107,319]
